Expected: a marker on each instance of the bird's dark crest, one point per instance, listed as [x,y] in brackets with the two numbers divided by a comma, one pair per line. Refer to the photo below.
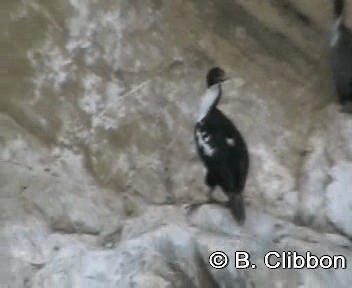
[215,75]
[339,6]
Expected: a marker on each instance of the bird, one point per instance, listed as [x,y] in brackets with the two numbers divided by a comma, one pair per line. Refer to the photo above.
[221,147]
[341,57]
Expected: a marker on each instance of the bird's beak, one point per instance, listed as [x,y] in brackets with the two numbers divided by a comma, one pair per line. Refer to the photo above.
[225,79]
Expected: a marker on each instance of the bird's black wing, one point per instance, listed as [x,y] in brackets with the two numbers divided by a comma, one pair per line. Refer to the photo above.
[237,155]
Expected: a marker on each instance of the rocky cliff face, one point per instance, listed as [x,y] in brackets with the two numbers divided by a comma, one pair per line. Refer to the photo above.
[97,158]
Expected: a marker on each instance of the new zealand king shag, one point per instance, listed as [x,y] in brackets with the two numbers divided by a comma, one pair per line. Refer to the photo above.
[221,147]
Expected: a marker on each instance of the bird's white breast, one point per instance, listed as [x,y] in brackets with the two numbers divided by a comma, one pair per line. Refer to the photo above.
[210,97]
[335,32]
[203,141]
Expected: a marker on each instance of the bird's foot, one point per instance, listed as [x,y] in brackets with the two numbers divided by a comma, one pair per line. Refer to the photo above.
[192,206]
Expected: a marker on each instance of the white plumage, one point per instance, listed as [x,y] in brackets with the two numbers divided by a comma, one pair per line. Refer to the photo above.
[335,33]
[203,141]
[208,101]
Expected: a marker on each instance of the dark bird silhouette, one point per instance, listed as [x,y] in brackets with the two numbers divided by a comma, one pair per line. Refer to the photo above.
[341,57]
[221,147]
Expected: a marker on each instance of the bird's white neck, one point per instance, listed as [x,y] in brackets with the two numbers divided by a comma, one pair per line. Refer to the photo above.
[335,31]
[209,101]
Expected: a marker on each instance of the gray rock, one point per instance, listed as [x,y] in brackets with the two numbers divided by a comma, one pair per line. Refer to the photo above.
[97,160]
[338,198]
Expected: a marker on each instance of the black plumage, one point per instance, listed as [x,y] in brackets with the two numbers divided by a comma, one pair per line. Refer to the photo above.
[221,147]
[341,57]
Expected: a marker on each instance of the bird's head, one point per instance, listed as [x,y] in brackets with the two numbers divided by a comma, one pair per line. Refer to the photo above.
[338,7]
[215,76]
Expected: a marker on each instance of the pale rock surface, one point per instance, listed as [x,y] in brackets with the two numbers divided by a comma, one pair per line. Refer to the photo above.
[97,160]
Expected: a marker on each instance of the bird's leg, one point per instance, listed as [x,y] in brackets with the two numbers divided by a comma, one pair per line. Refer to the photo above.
[191,206]
[211,182]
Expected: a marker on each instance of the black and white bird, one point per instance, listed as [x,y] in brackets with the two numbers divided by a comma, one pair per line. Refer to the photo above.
[221,146]
[341,56]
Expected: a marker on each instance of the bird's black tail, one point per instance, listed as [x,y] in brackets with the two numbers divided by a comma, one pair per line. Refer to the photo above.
[236,205]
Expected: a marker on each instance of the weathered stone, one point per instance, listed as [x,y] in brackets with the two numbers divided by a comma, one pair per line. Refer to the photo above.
[97,160]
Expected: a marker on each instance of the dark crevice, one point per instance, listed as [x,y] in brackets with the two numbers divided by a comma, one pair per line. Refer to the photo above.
[290,8]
